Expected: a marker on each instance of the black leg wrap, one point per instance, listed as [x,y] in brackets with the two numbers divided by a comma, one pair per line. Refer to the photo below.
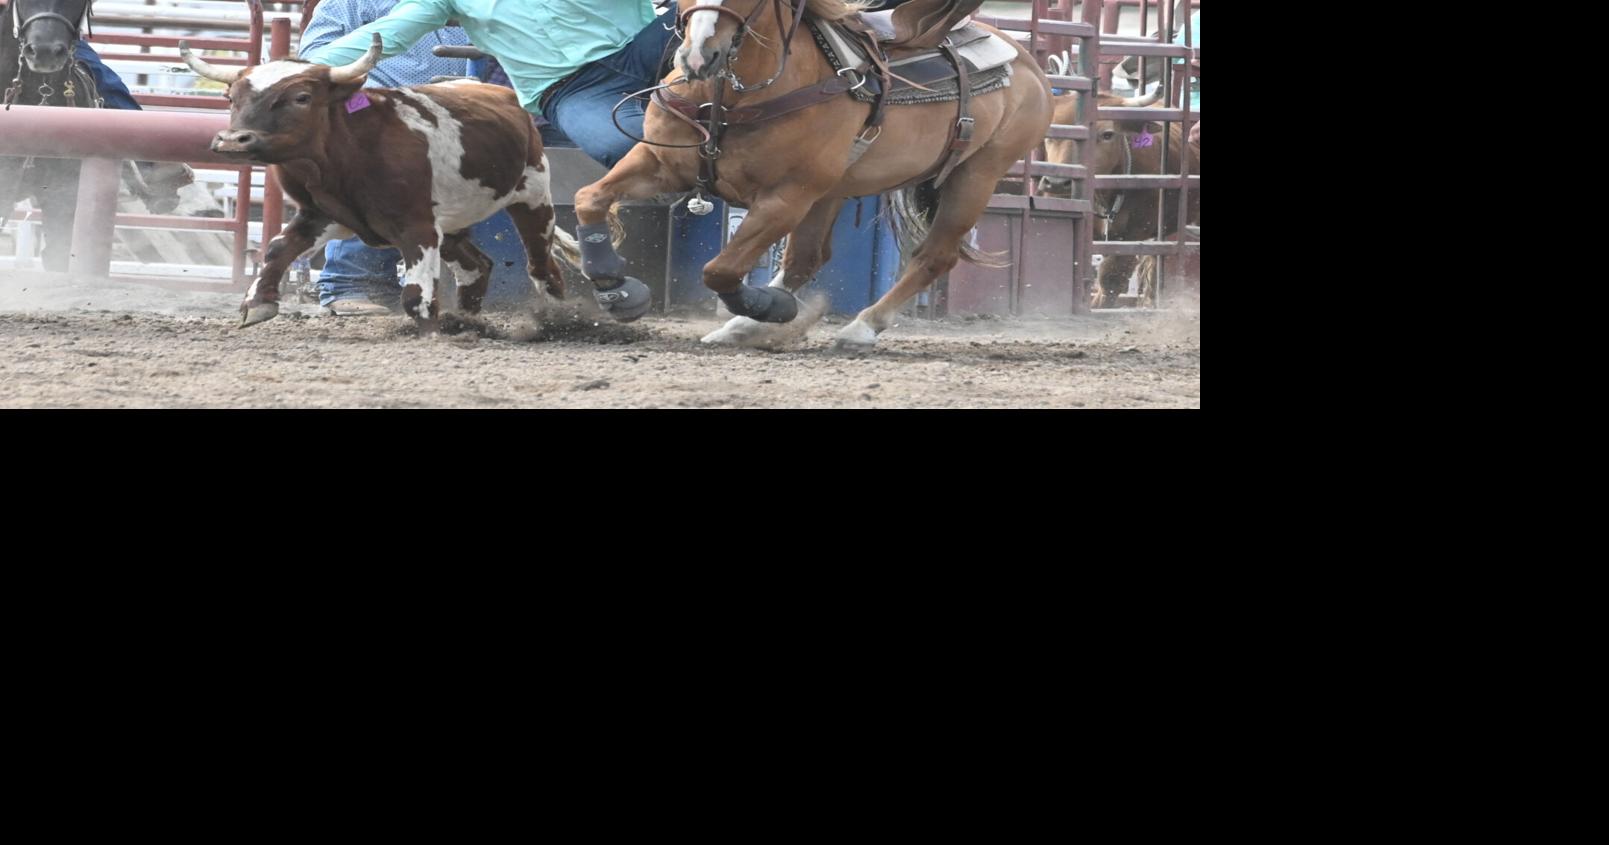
[768,305]
[626,301]
[599,261]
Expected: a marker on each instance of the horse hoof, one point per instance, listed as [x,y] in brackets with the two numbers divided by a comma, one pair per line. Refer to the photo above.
[626,301]
[746,331]
[738,331]
[262,312]
[855,337]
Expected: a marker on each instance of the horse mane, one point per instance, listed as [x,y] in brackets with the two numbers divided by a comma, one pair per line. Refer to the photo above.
[835,10]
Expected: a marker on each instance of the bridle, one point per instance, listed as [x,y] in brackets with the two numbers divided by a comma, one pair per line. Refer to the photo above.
[710,134]
[743,29]
[19,25]
[710,120]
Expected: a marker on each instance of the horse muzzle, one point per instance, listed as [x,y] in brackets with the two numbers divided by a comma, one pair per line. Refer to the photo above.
[46,59]
[703,62]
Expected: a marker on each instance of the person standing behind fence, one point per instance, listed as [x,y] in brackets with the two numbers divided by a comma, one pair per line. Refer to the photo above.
[354,271]
[1195,81]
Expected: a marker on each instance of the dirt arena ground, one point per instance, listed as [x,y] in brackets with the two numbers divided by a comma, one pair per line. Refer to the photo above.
[132,346]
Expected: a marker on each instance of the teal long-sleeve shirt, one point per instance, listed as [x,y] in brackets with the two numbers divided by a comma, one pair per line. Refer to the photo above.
[538,42]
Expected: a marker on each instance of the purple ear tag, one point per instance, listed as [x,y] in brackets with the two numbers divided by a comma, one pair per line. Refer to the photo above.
[357,102]
[1144,140]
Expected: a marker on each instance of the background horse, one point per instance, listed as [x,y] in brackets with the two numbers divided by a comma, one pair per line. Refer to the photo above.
[793,170]
[37,68]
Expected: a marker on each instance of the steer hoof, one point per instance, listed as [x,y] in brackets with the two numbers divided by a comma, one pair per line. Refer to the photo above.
[262,312]
[626,301]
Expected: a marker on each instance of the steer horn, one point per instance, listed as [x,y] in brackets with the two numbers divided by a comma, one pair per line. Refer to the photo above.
[358,69]
[1142,102]
[205,70]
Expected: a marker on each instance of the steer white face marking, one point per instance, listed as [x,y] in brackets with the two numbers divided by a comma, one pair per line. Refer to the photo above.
[264,77]
[459,202]
[700,27]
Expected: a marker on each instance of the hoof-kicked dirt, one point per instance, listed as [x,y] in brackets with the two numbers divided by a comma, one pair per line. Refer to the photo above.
[93,346]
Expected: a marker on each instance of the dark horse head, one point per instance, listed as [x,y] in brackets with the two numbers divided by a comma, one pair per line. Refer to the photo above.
[46,31]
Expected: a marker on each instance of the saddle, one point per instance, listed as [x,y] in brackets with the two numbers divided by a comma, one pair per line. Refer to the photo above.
[931,54]
[922,75]
[919,24]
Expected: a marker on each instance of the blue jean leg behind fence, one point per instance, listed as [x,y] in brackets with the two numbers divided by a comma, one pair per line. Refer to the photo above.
[353,269]
[582,107]
[111,86]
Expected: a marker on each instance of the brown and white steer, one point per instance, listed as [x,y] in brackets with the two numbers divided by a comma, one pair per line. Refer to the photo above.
[1122,148]
[409,167]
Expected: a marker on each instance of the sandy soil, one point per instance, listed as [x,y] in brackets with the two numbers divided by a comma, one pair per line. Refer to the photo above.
[98,346]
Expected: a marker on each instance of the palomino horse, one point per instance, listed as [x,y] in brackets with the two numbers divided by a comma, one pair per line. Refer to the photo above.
[794,169]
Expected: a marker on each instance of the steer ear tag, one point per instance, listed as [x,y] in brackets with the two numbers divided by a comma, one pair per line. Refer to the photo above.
[357,102]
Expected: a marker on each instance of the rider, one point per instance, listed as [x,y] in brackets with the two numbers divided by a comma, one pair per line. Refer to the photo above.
[588,56]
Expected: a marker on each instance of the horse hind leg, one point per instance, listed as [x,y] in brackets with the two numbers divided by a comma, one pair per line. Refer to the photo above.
[962,200]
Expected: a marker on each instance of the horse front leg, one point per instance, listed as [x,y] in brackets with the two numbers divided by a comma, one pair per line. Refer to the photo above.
[640,174]
[58,230]
[770,217]
[809,246]
[58,199]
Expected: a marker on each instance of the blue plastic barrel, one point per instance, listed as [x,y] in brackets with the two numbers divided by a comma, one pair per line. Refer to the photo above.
[694,241]
[865,258]
[864,264]
[497,237]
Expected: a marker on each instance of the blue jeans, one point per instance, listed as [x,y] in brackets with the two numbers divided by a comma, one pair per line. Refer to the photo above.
[581,107]
[354,270]
[490,72]
[111,87]
[351,265]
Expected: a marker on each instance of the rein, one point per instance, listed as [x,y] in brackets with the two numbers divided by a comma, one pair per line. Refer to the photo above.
[710,120]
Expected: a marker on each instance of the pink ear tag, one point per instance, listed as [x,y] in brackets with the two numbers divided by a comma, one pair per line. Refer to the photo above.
[357,102]
[1144,140]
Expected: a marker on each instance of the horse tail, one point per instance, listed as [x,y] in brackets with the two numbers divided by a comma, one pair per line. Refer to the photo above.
[911,214]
